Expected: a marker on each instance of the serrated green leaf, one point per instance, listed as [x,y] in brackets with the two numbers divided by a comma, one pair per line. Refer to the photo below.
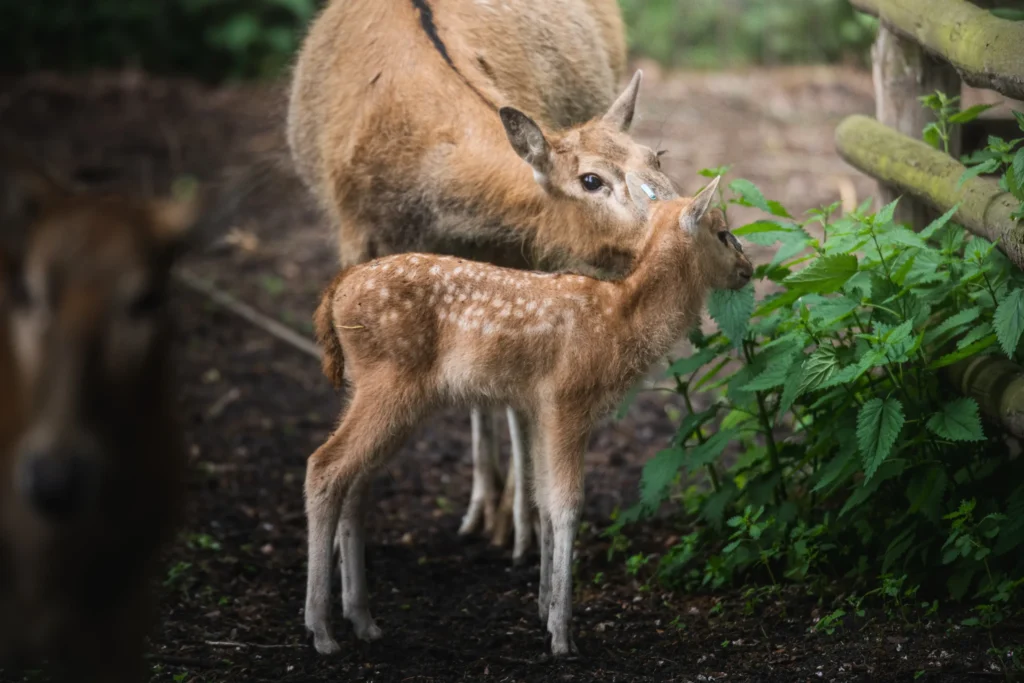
[750,195]
[790,390]
[775,373]
[1018,168]
[658,474]
[965,352]
[886,213]
[979,331]
[861,282]
[902,236]
[970,113]
[939,223]
[950,325]
[764,233]
[692,421]
[1009,321]
[826,274]
[732,310]
[818,367]
[706,453]
[989,166]
[692,363]
[932,135]
[889,469]
[957,420]
[841,467]
[829,310]
[878,425]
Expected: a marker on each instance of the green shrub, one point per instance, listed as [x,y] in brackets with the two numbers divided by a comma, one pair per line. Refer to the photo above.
[715,33]
[855,457]
[209,38]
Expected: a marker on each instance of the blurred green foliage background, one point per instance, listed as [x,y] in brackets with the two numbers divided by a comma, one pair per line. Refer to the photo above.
[232,39]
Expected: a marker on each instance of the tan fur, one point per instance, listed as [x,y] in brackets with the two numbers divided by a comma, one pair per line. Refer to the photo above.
[406,152]
[405,156]
[419,332]
[83,376]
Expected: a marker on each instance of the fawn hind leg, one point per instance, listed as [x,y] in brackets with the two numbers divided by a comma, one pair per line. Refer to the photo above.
[355,598]
[373,425]
[483,501]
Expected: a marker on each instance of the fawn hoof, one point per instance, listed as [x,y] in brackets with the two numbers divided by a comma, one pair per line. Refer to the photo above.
[365,627]
[325,644]
[564,647]
[369,633]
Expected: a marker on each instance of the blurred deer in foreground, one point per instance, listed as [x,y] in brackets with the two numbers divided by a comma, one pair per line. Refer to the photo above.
[90,464]
[414,332]
[400,119]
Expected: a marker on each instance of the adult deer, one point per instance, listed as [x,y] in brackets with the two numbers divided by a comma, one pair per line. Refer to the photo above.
[90,463]
[414,333]
[400,119]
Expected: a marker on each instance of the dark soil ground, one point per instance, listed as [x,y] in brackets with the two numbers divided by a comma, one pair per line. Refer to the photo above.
[451,609]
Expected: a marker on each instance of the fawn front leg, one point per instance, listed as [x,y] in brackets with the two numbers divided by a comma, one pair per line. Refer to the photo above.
[565,441]
[483,501]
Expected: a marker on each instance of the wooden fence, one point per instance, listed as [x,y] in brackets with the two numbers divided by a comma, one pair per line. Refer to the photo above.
[924,46]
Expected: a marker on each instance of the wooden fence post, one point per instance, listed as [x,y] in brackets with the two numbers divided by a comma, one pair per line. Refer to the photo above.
[902,71]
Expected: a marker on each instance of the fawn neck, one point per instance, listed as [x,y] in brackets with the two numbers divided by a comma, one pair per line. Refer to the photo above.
[663,295]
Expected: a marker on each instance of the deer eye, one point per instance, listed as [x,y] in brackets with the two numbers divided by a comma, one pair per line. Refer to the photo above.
[591,182]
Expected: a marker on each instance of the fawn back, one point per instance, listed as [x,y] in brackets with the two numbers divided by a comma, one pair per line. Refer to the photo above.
[90,463]
[402,114]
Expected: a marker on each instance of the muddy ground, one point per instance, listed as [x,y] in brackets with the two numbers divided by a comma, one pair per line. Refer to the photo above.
[255,407]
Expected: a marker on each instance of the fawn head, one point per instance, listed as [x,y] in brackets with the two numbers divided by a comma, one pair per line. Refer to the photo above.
[589,163]
[714,250]
[82,285]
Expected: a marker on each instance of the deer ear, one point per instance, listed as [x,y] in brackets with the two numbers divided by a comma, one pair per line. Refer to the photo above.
[641,193]
[691,216]
[528,140]
[25,190]
[620,114]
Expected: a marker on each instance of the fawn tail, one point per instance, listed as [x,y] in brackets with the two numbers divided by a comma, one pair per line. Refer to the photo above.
[333,359]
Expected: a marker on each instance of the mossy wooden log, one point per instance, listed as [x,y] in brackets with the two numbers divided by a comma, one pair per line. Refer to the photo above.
[932,177]
[987,51]
[997,384]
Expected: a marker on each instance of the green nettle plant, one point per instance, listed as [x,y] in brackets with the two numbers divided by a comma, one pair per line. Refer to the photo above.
[833,445]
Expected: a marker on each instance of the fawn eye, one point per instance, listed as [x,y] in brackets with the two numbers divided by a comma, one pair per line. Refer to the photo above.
[591,182]
[728,239]
[146,303]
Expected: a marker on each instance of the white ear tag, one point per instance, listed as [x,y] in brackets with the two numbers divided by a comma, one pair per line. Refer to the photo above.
[647,188]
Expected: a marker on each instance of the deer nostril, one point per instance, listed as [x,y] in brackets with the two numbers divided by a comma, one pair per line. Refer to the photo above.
[56,483]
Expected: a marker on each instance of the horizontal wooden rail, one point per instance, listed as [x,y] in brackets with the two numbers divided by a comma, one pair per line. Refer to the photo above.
[988,52]
[931,176]
[997,384]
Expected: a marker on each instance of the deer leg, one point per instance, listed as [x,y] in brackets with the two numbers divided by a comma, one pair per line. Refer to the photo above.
[521,508]
[483,501]
[545,536]
[566,442]
[355,598]
[368,432]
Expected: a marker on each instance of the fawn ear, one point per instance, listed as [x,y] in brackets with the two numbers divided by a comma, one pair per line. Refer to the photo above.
[528,141]
[640,192]
[689,219]
[620,114]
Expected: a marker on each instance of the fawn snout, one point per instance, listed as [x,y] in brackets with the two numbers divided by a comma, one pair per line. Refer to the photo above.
[59,476]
